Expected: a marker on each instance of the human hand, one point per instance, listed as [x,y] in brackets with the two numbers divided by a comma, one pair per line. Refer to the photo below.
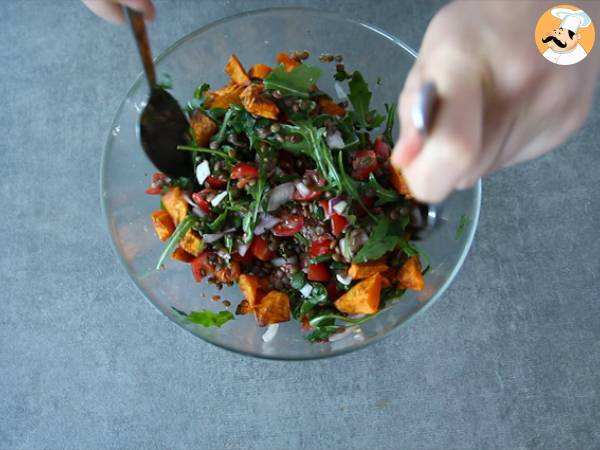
[501,101]
[112,10]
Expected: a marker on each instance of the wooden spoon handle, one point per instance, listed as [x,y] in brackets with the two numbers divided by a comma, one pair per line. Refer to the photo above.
[136,23]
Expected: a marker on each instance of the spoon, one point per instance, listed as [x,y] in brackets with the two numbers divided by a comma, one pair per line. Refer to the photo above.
[163,125]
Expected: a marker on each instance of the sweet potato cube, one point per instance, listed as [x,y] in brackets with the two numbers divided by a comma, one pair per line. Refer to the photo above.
[225,97]
[289,64]
[330,107]
[203,127]
[260,71]
[236,71]
[163,224]
[362,298]
[192,243]
[410,275]
[256,104]
[228,274]
[399,182]
[181,255]
[175,204]
[249,285]
[358,271]
[273,308]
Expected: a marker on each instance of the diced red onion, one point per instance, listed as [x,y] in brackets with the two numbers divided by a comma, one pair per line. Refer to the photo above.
[280,195]
[302,189]
[198,212]
[218,198]
[202,172]
[334,201]
[340,207]
[270,333]
[267,222]
[344,279]
[334,140]
[242,249]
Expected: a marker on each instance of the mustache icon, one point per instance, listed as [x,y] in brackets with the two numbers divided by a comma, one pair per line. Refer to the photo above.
[555,40]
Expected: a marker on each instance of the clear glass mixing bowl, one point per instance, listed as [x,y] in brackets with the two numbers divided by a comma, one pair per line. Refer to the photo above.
[199,57]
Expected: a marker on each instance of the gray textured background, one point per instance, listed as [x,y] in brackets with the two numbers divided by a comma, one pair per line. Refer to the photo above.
[510,358]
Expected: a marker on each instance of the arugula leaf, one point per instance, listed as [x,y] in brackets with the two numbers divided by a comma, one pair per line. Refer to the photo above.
[383,195]
[298,280]
[319,259]
[408,248]
[258,195]
[296,82]
[185,225]
[219,153]
[389,124]
[384,238]
[206,318]
[220,136]
[218,223]
[318,295]
[322,333]
[228,243]
[360,96]
[200,90]
[462,224]
[341,75]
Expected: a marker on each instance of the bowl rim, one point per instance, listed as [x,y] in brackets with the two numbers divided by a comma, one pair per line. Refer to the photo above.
[103,174]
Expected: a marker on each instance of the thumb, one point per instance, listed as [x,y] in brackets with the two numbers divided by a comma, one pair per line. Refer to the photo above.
[434,165]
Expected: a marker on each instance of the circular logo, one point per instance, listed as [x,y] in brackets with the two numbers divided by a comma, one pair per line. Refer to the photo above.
[565,35]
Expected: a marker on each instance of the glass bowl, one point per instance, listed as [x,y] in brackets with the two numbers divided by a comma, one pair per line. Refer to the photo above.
[200,57]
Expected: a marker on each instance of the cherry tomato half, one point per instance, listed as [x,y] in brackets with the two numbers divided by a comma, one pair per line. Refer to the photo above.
[260,249]
[245,260]
[382,149]
[364,163]
[244,170]
[201,265]
[338,224]
[198,199]
[318,272]
[153,190]
[313,181]
[288,226]
[320,247]
[216,183]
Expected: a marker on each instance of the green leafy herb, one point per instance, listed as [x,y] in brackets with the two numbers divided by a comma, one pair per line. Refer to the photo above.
[220,136]
[341,75]
[228,243]
[462,225]
[318,295]
[319,259]
[207,318]
[408,248]
[384,238]
[201,90]
[383,195]
[219,153]
[297,82]
[301,239]
[322,333]
[389,124]
[360,97]
[298,280]
[186,224]
[218,223]
[258,196]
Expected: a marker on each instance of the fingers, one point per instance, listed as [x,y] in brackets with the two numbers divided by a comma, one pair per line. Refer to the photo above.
[454,144]
[112,10]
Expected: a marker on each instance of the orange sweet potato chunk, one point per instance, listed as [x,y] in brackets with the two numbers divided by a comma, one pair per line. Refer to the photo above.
[289,64]
[203,127]
[330,107]
[192,243]
[225,97]
[175,204]
[273,308]
[256,104]
[399,182]
[163,224]
[260,71]
[181,255]
[410,275]
[249,285]
[362,298]
[236,71]
[358,271]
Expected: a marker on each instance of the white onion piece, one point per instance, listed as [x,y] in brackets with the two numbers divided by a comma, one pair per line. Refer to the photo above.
[267,221]
[280,195]
[361,239]
[278,262]
[202,171]
[212,237]
[302,189]
[334,140]
[189,200]
[340,207]
[198,212]
[339,90]
[218,198]
[242,249]
[270,333]
[306,290]
[344,279]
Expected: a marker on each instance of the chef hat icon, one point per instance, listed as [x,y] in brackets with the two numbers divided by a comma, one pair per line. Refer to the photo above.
[570,19]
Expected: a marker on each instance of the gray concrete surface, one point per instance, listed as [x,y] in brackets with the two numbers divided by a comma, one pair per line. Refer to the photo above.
[510,358]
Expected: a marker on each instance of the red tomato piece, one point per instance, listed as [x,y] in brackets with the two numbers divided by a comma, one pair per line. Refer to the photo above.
[153,190]
[364,163]
[158,176]
[246,259]
[199,200]
[324,204]
[244,171]
[260,249]
[201,265]
[313,182]
[382,149]
[338,224]
[320,247]
[288,226]
[216,183]
[318,272]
